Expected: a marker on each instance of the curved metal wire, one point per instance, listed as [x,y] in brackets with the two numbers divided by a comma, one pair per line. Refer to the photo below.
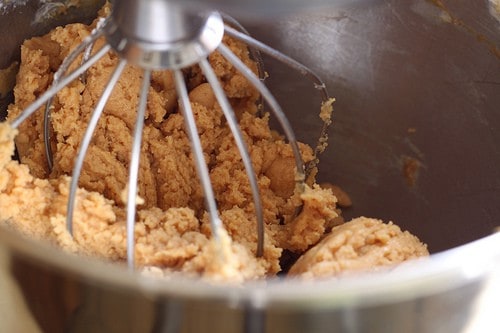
[254,54]
[134,168]
[242,148]
[275,108]
[49,93]
[86,47]
[84,145]
[302,69]
[200,164]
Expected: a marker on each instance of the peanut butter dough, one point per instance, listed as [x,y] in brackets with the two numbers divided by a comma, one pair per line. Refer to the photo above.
[172,231]
[361,244]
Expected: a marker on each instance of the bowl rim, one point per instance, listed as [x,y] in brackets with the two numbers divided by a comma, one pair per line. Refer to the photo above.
[438,273]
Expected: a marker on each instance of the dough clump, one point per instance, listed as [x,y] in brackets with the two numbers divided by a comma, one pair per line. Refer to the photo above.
[362,244]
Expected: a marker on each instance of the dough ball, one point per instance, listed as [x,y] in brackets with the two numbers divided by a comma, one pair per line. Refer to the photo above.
[358,245]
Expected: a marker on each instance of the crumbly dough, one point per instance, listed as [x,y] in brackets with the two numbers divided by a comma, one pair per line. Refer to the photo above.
[358,245]
[172,231]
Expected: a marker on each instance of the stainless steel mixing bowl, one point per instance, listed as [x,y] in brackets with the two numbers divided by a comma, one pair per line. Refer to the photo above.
[417,84]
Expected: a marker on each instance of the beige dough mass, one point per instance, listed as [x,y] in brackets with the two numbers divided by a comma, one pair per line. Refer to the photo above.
[172,229]
[362,244]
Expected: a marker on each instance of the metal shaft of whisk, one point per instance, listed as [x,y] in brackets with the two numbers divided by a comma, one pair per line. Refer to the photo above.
[199,160]
[242,148]
[84,145]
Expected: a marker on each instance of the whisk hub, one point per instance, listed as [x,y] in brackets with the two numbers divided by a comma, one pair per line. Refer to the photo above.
[156,34]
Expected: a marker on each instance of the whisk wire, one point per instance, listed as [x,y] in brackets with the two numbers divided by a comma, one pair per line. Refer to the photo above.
[54,89]
[254,52]
[242,148]
[134,168]
[275,108]
[200,164]
[303,70]
[84,145]
[86,47]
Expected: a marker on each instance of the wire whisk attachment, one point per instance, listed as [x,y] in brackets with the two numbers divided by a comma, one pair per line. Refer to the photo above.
[159,35]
